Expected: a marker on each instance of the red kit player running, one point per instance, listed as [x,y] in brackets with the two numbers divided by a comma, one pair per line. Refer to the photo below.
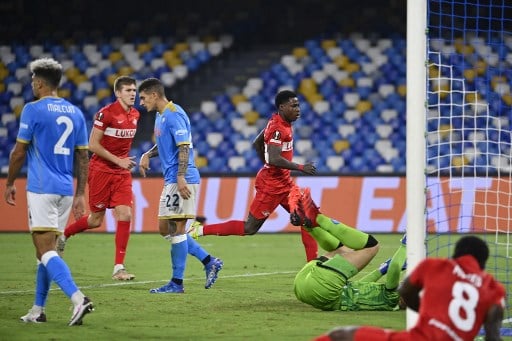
[110,179]
[457,298]
[274,145]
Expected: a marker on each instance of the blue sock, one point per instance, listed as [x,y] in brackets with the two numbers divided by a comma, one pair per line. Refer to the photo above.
[179,251]
[59,272]
[43,282]
[195,249]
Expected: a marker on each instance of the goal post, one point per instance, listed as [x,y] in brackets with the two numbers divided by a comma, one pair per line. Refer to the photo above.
[415,129]
[459,131]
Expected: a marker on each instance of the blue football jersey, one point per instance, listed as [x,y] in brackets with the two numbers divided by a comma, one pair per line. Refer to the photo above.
[53,128]
[172,129]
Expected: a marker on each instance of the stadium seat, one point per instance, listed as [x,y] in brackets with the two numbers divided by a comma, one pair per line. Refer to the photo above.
[236,163]
[335,162]
[214,139]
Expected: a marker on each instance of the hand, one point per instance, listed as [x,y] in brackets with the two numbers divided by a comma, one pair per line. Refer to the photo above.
[127,163]
[10,195]
[78,206]
[309,168]
[144,164]
[183,188]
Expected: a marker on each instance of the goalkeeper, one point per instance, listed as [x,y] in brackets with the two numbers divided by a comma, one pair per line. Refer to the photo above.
[325,282]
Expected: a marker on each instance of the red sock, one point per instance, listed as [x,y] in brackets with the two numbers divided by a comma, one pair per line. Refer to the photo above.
[122,236]
[227,228]
[78,226]
[309,244]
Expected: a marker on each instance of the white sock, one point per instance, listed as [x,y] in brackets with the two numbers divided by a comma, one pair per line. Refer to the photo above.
[118,267]
[77,298]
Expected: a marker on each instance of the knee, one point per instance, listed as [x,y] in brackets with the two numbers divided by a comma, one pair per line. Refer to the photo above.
[94,221]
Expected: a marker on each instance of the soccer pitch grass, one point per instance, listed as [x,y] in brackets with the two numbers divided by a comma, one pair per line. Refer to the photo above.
[252,299]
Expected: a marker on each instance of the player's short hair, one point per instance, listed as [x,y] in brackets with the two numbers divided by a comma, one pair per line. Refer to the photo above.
[474,246]
[48,70]
[152,85]
[122,81]
[283,97]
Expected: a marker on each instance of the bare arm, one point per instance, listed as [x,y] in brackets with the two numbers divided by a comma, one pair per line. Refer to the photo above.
[96,147]
[183,155]
[492,323]
[82,169]
[16,161]
[259,145]
[275,159]
[410,294]
[144,160]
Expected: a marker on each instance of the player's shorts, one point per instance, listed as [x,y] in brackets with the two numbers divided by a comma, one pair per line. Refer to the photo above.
[367,296]
[320,284]
[48,212]
[380,334]
[264,204]
[108,190]
[173,206]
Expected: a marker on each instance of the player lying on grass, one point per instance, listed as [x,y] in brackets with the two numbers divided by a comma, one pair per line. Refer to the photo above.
[325,282]
[454,298]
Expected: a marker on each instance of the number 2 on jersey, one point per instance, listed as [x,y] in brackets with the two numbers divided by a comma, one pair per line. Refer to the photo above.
[59,146]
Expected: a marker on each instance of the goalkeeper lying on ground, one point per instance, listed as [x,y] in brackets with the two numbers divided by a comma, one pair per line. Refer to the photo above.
[325,282]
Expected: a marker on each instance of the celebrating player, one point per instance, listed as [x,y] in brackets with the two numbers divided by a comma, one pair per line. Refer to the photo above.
[274,145]
[110,178]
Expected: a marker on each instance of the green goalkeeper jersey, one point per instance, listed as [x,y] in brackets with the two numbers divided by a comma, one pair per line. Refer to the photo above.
[325,285]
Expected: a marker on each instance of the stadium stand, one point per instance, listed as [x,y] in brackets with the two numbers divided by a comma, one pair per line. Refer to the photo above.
[352,86]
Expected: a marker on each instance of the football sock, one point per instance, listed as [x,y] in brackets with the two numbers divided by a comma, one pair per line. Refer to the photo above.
[372,276]
[326,240]
[59,272]
[179,251]
[78,226]
[395,267]
[349,236]
[122,236]
[43,282]
[196,250]
[310,245]
[228,228]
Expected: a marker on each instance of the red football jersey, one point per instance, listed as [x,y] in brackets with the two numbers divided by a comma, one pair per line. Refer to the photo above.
[272,179]
[456,297]
[119,129]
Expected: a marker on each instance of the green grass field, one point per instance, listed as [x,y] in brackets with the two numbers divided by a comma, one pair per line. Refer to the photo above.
[252,299]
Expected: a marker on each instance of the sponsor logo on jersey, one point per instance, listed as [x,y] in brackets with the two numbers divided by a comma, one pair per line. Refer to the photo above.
[120,133]
[287,146]
[100,205]
[265,213]
[181,132]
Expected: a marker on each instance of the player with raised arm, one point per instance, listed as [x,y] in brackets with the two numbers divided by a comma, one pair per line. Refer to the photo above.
[110,178]
[52,137]
[273,184]
[173,136]
[454,298]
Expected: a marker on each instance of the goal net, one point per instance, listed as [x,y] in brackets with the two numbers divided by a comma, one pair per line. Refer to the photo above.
[468,130]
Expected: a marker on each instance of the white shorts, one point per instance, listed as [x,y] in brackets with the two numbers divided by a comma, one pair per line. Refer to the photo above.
[48,212]
[173,206]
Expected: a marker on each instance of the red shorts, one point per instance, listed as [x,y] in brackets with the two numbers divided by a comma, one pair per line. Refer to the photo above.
[380,334]
[264,204]
[108,190]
